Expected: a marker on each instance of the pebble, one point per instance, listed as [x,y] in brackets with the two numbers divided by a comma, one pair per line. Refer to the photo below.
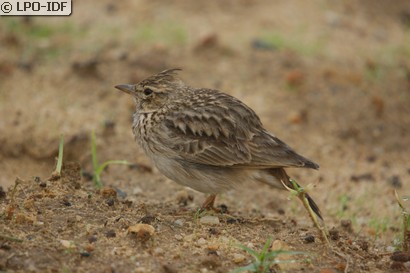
[137,191]
[158,251]
[334,234]
[143,231]
[238,258]
[140,270]
[213,247]
[400,256]
[390,249]
[92,239]
[395,181]
[279,245]
[178,237]
[179,222]
[110,234]
[209,220]
[201,242]
[309,239]
[67,244]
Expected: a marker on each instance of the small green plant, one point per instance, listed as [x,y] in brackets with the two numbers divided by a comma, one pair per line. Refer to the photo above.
[343,199]
[60,155]
[99,168]
[405,244]
[264,259]
[379,226]
[57,172]
[200,213]
[301,194]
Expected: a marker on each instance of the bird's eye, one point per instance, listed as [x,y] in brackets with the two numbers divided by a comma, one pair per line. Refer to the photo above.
[148,91]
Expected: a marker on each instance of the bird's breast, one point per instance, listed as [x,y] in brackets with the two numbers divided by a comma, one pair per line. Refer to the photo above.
[143,126]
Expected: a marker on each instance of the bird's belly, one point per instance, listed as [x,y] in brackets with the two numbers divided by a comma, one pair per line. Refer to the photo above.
[203,178]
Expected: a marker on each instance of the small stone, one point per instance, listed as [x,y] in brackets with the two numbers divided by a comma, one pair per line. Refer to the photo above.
[213,247]
[364,245]
[390,249]
[137,191]
[223,208]
[143,231]
[178,237]
[334,234]
[361,177]
[397,266]
[85,254]
[346,225]
[158,251]
[87,175]
[201,242]
[184,197]
[110,202]
[110,234]
[140,270]
[68,244]
[395,181]
[213,231]
[209,220]
[279,245]
[309,239]
[179,222]
[238,258]
[147,219]
[295,78]
[189,238]
[400,256]
[66,203]
[92,239]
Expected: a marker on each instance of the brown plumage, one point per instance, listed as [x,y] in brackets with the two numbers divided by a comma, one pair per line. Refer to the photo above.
[206,139]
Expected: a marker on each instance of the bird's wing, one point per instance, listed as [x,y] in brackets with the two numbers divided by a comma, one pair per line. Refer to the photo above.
[224,132]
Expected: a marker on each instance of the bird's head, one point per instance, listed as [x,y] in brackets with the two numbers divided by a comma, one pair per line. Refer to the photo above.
[153,92]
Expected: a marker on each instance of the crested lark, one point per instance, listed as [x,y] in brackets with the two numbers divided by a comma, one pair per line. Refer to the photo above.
[208,140]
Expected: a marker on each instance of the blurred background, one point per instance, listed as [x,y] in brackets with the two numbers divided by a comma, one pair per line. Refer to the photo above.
[330,78]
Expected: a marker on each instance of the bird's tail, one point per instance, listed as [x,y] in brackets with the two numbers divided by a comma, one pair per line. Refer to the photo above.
[281,175]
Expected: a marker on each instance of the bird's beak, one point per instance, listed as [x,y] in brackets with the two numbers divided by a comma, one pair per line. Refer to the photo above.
[127,88]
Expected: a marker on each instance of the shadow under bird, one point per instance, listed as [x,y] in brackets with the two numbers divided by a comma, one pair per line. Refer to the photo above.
[208,140]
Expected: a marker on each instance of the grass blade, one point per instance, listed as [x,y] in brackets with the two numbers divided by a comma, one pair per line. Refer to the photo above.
[60,155]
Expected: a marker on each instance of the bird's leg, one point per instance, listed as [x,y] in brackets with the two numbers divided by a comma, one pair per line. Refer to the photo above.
[209,203]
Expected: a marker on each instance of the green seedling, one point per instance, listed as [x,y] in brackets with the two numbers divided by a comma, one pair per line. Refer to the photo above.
[60,155]
[406,222]
[99,168]
[301,194]
[379,226]
[57,172]
[263,260]
[343,205]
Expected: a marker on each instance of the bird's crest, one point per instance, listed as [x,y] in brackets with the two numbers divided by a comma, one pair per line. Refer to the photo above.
[163,78]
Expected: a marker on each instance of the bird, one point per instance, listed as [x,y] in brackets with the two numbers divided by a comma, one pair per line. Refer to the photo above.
[208,140]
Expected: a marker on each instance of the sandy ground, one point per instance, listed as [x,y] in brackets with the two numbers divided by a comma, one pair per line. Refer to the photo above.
[330,78]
